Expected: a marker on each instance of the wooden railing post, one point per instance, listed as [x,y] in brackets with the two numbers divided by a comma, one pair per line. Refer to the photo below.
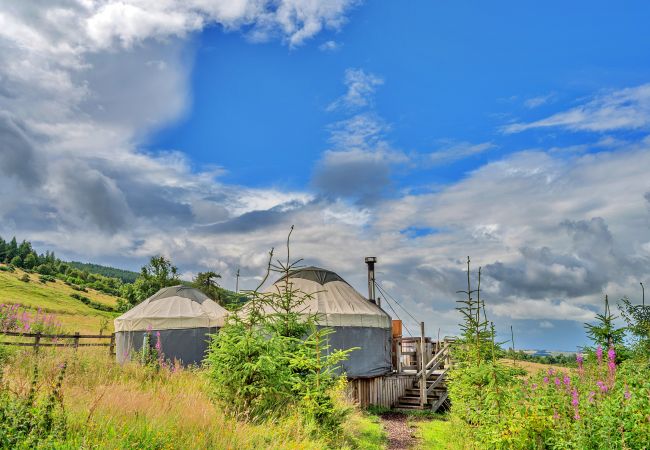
[111,347]
[37,341]
[423,377]
[398,354]
[76,340]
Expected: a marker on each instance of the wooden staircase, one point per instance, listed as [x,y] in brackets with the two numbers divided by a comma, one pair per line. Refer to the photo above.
[434,396]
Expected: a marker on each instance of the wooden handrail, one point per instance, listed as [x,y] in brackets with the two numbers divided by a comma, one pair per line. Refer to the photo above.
[442,352]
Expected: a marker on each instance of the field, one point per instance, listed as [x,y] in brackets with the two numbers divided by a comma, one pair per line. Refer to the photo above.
[131,406]
[55,297]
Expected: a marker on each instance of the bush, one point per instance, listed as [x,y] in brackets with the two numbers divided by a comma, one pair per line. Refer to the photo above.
[263,365]
[25,278]
[93,304]
[46,279]
[7,269]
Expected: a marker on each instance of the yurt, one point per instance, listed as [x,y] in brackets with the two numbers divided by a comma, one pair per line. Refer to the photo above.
[182,315]
[356,321]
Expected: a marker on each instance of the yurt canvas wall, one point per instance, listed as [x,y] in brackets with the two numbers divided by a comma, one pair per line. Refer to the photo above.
[182,316]
[356,321]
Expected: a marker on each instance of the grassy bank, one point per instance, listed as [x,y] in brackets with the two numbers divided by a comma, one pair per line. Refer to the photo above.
[56,297]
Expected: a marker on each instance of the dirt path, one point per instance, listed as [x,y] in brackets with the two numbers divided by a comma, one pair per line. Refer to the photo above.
[400,434]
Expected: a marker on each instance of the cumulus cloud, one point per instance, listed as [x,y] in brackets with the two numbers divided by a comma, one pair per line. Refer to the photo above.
[329,46]
[627,108]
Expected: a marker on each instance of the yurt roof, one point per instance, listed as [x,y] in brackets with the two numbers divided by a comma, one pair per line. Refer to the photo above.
[333,299]
[174,307]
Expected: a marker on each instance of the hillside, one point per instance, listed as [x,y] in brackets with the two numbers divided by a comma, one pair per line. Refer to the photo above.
[127,276]
[55,297]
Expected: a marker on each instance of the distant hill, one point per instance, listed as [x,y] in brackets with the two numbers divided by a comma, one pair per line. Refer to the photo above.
[126,276]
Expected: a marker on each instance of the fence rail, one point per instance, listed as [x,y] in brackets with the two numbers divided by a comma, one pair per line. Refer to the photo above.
[76,337]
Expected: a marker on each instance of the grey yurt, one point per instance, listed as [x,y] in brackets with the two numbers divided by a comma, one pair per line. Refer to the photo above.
[357,322]
[182,315]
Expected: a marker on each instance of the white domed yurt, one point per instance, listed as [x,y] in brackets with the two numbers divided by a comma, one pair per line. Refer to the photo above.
[182,315]
[356,321]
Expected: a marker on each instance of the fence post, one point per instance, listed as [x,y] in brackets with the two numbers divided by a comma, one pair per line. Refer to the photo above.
[423,378]
[76,340]
[111,348]
[37,341]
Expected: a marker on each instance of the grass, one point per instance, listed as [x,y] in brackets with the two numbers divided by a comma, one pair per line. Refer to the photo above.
[131,406]
[440,432]
[55,297]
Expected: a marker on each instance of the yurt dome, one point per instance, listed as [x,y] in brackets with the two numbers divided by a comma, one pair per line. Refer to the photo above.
[356,321]
[182,317]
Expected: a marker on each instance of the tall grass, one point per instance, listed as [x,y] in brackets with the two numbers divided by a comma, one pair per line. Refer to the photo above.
[132,406]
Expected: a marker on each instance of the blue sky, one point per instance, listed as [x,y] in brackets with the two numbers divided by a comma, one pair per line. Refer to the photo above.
[452,71]
[419,132]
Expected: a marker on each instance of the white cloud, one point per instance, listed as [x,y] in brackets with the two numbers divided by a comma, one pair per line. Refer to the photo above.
[361,87]
[535,102]
[546,324]
[627,108]
[458,151]
[329,46]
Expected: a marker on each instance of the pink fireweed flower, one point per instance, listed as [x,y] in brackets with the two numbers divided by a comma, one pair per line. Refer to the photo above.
[546,380]
[603,387]
[556,416]
[599,354]
[551,372]
[611,361]
[533,386]
[576,416]
[158,342]
[567,380]
[627,393]
[557,381]
[592,394]
[149,328]
[575,400]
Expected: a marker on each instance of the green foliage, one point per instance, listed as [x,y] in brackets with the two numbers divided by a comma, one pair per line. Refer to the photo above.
[206,282]
[159,273]
[637,318]
[126,276]
[16,261]
[25,278]
[29,422]
[262,365]
[93,304]
[604,332]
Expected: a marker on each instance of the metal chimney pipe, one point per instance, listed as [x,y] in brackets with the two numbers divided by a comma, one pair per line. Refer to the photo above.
[371,260]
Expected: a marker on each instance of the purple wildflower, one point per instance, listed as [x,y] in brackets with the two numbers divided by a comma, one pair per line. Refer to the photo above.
[546,380]
[603,387]
[599,354]
[551,372]
[557,381]
[575,400]
[592,394]
[556,416]
[533,386]
[567,380]
[627,393]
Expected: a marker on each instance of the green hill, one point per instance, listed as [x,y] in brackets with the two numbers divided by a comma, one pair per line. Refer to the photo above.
[126,276]
[56,297]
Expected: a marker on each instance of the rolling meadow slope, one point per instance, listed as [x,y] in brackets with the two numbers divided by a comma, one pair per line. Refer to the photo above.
[56,297]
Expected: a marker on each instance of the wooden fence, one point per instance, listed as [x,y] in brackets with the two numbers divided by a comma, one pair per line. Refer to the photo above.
[55,338]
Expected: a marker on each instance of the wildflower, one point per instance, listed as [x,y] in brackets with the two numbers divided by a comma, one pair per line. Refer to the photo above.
[557,381]
[556,416]
[591,396]
[627,393]
[533,386]
[567,380]
[576,416]
[545,380]
[599,354]
[575,400]
[603,387]
[611,361]
[158,342]
[551,372]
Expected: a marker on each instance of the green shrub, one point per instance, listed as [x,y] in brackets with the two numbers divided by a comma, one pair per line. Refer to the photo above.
[7,269]
[264,365]
[46,279]
[25,278]
[93,304]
